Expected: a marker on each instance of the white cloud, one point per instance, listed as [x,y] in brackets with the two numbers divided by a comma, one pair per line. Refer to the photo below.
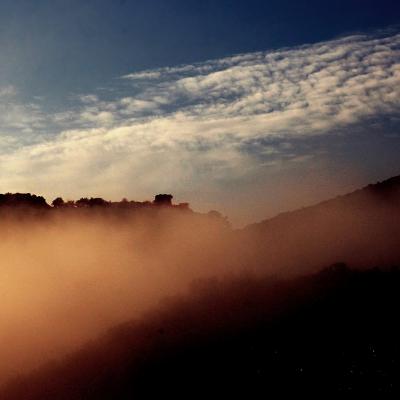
[143,75]
[88,98]
[18,119]
[7,91]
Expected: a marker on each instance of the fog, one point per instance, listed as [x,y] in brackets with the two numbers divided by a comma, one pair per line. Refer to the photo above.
[67,276]
[65,279]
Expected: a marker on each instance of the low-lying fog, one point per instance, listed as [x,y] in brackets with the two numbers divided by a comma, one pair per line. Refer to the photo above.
[65,278]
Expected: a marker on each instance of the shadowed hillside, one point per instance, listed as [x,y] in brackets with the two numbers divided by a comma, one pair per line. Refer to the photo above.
[334,332]
[362,228]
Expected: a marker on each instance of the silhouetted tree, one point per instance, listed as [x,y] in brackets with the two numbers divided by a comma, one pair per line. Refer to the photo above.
[22,200]
[58,202]
[92,202]
[217,216]
[82,202]
[183,206]
[97,202]
[163,199]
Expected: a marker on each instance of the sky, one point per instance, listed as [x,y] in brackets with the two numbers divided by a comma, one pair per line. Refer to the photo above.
[248,107]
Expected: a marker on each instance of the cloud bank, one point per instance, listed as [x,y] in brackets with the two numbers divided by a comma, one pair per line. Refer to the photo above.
[209,124]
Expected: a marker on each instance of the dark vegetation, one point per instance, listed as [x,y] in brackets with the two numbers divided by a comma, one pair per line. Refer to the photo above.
[28,200]
[22,200]
[23,206]
[26,205]
[333,332]
[309,330]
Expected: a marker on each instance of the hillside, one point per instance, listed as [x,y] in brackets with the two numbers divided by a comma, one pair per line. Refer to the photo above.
[382,193]
[331,333]
[361,228]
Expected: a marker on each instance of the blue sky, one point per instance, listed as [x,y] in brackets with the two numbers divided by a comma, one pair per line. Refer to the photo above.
[250,107]
[53,47]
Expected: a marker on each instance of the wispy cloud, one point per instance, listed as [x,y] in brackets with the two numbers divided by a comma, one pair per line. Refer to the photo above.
[17,115]
[201,124]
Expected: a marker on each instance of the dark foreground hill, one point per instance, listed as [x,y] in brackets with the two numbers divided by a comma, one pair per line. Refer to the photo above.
[330,333]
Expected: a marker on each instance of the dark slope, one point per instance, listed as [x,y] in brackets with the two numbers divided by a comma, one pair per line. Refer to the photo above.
[331,333]
[382,193]
[361,228]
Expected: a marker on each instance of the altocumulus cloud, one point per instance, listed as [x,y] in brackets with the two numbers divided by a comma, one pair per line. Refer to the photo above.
[208,124]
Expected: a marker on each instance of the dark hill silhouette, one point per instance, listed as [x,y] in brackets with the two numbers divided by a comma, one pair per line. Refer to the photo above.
[382,193]
[330,333]
[362,227]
